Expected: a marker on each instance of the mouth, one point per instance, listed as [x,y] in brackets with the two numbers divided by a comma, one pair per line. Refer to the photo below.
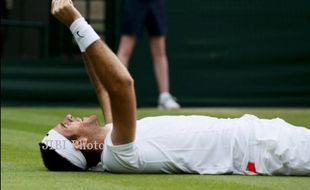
[63,125]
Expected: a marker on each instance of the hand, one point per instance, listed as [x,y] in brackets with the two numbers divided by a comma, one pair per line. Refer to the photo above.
[65,11]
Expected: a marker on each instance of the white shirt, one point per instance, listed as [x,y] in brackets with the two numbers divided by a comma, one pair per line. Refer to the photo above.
[183,144]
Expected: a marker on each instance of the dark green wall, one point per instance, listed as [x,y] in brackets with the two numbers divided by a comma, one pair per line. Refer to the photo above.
[46,82]
[221,53]
[233,53]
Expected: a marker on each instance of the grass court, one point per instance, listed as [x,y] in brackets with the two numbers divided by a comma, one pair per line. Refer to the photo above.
[21,166]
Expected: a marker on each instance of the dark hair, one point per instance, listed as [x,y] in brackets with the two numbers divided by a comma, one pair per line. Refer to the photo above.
[55,162]
[92,158]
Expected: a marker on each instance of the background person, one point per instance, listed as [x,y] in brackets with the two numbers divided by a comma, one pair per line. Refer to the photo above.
[149,14]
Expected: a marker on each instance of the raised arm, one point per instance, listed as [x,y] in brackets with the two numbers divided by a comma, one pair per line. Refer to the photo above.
[102,94]
[111,73]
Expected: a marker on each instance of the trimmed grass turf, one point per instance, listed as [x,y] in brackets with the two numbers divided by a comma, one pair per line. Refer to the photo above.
[22,168]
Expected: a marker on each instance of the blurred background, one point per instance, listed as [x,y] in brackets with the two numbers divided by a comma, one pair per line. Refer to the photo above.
[221,53]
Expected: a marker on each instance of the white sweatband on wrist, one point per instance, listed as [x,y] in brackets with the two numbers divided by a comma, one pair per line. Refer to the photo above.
[83,33]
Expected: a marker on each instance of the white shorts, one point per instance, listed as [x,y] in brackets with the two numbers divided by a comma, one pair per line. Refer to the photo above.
[280,148]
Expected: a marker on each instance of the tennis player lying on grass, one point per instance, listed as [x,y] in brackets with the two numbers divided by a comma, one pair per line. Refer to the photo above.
[164,144]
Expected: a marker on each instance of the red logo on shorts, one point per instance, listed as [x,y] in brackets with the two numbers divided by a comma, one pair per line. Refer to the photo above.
[251,167]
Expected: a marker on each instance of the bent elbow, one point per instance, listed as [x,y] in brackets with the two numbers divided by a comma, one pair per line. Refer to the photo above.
[122,85]
[129,82]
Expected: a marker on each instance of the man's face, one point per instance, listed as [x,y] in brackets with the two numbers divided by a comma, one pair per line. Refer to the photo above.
[74,127]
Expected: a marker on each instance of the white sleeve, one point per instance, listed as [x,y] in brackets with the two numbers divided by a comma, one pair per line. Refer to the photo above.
[121,158]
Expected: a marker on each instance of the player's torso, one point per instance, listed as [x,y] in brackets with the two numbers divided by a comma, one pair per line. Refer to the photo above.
[191,144]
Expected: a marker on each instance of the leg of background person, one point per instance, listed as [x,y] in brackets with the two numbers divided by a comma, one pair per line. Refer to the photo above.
[125,49]
[161,69]
[160,63]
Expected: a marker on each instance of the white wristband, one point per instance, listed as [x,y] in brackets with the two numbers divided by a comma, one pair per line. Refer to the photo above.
[83,33]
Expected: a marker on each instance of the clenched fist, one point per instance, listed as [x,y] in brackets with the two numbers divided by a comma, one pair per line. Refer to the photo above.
[65,11]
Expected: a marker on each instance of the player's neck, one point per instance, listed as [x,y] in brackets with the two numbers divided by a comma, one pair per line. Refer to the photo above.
[100,137]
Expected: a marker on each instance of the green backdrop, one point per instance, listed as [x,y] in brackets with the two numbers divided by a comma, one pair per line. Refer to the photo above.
[221,53]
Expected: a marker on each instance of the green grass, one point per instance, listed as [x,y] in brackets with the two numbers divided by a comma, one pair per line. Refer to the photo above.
[22,168]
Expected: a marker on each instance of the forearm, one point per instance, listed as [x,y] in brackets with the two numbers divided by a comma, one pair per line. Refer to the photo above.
[102,95]
[120,87]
